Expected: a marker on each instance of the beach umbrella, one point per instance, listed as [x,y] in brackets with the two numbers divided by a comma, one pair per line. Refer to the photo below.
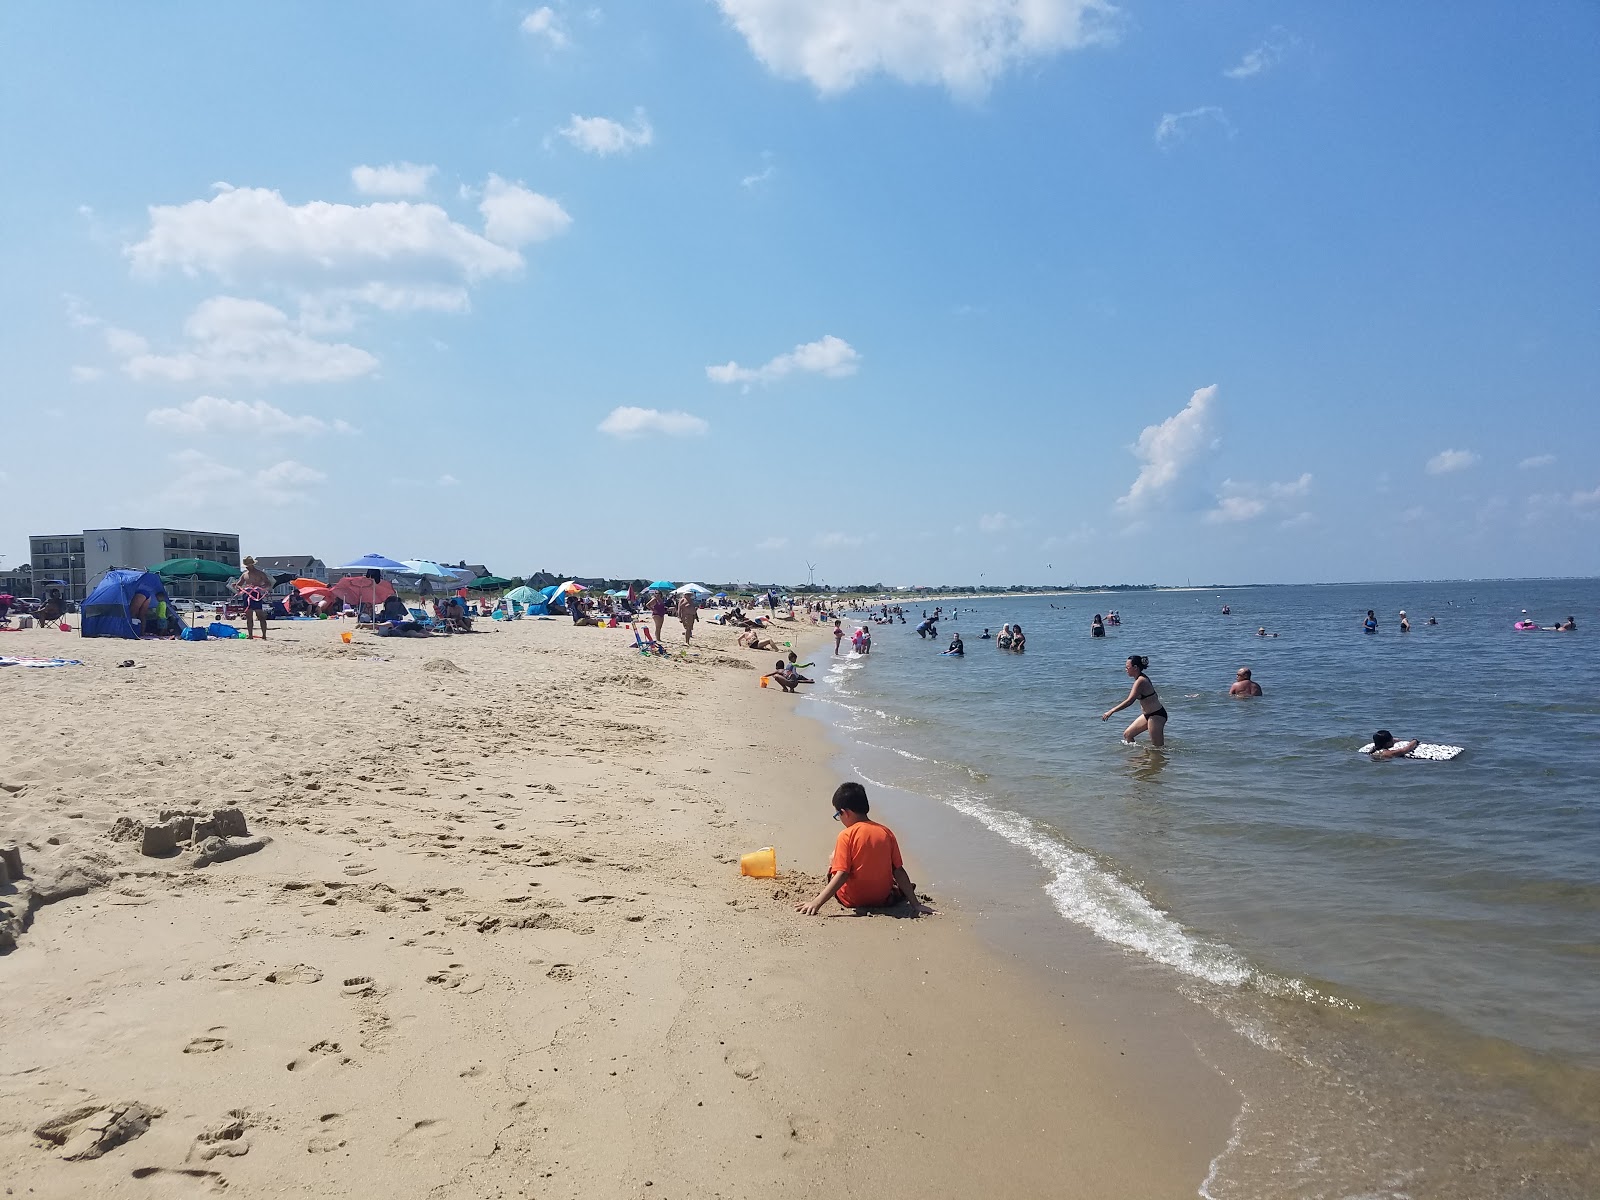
[424,568]
[523,595]
[353,589]
[696,588]
[570,585]
[660,585]
[488,583]
[193,568]
[372,562]
[302,584]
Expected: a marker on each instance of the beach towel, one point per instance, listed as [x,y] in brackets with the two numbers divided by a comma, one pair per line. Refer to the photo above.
[8,661]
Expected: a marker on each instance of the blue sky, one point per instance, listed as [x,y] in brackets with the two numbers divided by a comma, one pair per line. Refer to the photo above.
[916,290]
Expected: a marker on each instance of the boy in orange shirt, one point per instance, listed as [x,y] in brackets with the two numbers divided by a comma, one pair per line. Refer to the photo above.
[866,871]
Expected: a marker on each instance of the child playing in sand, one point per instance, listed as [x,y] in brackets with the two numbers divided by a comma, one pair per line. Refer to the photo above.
[866,870]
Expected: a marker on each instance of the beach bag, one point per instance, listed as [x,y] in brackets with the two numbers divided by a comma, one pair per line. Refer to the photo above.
[194,635]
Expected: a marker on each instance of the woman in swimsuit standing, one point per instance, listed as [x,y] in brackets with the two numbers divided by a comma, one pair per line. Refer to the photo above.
[1153,716]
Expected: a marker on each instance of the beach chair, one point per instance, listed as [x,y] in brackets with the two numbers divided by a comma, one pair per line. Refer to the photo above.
[429,623]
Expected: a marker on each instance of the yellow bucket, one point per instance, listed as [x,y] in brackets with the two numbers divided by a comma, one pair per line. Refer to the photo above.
[761,864]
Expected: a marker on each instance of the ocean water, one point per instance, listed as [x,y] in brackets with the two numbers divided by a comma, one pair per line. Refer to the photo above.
[1427,934]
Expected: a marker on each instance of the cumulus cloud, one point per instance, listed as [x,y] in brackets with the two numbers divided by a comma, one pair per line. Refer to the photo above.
[1175,127]
[249,341]
[514,216]
[965,45]
[997,522]
[254,231]
[1168,449]
[1536,461]
[829,356]
[1272,51]
[757,178]
[216,414]
[543,23]
[392,179]
[1241,501]
[199,479]
[1447,461]
[627,421]
[603,136]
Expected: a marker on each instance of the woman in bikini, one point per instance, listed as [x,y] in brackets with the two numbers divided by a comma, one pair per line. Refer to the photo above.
[1152,715]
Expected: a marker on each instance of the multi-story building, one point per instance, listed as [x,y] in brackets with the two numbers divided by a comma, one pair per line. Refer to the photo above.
[16,581]
[301,566]
[79,559]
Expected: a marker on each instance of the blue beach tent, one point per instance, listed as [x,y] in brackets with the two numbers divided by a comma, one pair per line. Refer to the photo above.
[105,611]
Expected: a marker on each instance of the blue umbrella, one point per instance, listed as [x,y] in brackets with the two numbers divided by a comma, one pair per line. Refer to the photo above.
[426,568]
[660,585]
[372,562]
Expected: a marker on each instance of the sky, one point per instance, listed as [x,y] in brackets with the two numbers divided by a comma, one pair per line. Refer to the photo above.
[900,291]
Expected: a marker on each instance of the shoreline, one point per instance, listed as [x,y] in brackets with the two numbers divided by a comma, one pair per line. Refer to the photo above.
[531,854]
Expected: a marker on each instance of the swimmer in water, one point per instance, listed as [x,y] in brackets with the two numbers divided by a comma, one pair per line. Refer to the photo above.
[1097,627]
[1405,624]
[1153,716]
[985,636]
[1371,623]
[1568,626]
[956,646]
[1384,746]
[1243,685]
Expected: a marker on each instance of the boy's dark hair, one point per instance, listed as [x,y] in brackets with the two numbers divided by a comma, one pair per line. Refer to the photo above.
[851,796]
[1382,740]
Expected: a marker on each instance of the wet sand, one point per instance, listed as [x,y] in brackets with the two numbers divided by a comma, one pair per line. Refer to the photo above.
[498,946]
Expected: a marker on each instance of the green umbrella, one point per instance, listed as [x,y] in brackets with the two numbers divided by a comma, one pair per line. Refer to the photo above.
[194,568]
[488,583]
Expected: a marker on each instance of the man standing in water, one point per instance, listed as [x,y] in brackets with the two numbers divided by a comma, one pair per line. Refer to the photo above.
[1243,685]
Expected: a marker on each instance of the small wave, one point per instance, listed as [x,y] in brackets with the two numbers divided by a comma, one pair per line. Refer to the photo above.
[1088,895]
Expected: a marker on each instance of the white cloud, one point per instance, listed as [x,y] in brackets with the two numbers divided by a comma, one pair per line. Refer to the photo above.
[252,342]
[543,22]
[772,543]
[393,179]
[1586,499]
[199,479]
[447,481]
[255,231]
[123,343]
[1242,501]
[1446,461]
[997,522]
[757,178]
[1536,461]
[630,422]
[335,310]
[1175,127]
[963,44]
[838,541]
[515,216]
[603,136]
[1272,51]
[1168,449]
[829,356]
[216,414]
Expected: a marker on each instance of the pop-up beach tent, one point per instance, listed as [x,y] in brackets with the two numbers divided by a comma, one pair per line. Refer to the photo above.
[108,609]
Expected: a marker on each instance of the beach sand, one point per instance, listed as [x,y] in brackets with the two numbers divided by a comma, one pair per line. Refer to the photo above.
[498,946]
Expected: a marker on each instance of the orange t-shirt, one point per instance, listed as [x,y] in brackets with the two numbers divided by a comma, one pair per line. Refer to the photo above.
[869,852]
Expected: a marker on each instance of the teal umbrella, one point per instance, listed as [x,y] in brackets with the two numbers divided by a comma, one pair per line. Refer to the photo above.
[660,585]
[194,568]
[524,595]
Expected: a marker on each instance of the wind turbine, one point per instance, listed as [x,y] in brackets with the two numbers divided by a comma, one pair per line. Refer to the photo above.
[811,574]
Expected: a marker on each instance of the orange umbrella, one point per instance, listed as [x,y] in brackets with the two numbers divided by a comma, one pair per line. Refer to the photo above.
[302,584]
[354,589]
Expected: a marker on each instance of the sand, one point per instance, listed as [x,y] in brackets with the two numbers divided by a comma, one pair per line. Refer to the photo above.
[485,936]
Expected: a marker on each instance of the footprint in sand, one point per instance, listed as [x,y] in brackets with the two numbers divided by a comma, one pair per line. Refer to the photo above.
[227,1140]
[423,1137]
[561,973]
[198,1179]
[205,1045]
[744,1062]
[456,978]
[294,973]
[235,972]
[321,1054]
[329,1138]
[360,985]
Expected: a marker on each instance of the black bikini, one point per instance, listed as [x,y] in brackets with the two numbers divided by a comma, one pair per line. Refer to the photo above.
[1160,712]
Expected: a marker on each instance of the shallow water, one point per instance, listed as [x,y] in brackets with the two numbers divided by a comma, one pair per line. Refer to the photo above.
[1450,910]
